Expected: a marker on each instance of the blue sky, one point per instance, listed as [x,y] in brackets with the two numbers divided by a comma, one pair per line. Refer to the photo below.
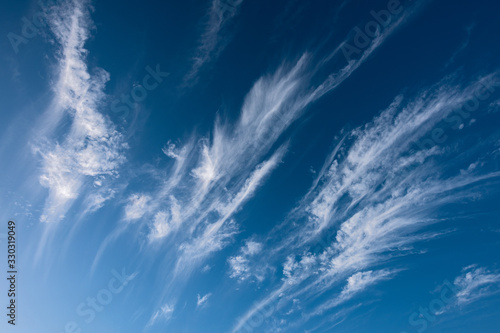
[251,166]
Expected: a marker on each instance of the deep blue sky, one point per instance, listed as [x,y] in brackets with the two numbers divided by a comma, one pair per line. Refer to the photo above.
[264,181]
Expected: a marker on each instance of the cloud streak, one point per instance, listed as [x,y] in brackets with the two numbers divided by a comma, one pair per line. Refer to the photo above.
[202,301]
[193,211]
[91,149]
[376,193]
[476,283]
[213,39]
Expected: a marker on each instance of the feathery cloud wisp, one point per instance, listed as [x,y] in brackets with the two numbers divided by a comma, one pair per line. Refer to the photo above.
[213,40]
[163,314]
[92,149]
[203,300]
[376,193]
[476,283]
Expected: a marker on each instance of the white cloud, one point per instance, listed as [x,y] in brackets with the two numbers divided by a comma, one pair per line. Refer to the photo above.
[163,314]
[95,201]
[251,248]
[213,39]
[213,238]
[476,283]
[227,171]
[375,193]
[239,264]
[212,177]
[361,280]
[239,267]
[92,149]
[138,205]
[166,222]
[356,284]
[203,300]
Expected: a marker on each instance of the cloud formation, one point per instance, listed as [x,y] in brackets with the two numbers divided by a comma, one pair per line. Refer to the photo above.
[476,283]
[376,193]
[90,150]
[203,300]
[213,39]
[164,314]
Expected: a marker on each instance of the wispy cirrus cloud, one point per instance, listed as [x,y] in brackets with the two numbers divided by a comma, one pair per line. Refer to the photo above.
[202,301]
[216,235]
[214,38]
[362,280]
[376,193]
[234,152]
[473,284]
[476,283]
[163,314]
[356,284]
[210,178]
[90,150]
